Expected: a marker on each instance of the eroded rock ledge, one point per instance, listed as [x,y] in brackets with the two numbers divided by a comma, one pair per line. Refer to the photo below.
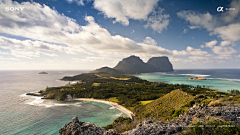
[77,127]
[174,127]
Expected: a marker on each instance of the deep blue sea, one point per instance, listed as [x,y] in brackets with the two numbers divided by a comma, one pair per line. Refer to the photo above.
[219,79]
[29,115]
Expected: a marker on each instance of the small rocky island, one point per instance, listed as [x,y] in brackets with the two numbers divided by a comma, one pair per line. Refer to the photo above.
[42,72]
[197,78]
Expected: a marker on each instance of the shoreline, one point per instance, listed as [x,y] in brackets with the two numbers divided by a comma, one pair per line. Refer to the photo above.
[114,104]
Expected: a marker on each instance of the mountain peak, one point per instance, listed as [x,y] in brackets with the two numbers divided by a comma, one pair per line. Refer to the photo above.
[134,65]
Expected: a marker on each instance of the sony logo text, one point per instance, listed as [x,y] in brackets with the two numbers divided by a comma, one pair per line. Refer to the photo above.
[14,8]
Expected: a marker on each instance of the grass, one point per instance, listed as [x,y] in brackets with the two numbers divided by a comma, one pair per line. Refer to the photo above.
[96,84]
[43,90]
[164,107]
[124,79]
[145,102]
[114,99]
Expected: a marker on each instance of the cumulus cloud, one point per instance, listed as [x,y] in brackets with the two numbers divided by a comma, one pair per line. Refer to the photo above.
[158,21]
[190,51]
[224,50]
[199,58]
[123,10]
[29,48]
[79,2]
[172,59]
[149,41]
[43,24]
[225,43]
[198,19]
[230,32]
[46,29]
[225,25]
[209,44]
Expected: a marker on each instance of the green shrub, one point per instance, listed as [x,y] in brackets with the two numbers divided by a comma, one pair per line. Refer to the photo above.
[178,112]
[205,101]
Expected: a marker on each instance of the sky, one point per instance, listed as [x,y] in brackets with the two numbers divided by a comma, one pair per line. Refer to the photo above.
[89,34]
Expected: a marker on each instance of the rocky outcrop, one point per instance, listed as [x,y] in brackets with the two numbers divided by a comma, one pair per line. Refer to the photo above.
[134,65]
[161,64]
[154,128]
[77,127]
[174,127]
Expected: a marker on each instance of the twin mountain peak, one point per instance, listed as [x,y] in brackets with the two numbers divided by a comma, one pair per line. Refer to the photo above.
[134,65]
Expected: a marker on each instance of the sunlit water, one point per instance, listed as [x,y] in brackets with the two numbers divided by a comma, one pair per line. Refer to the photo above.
[220,79]
[28,115]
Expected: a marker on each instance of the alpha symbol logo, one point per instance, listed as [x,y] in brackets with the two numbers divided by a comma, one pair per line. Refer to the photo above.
[220,9]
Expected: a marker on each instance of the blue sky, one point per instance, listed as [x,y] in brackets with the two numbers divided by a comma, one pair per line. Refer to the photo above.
[88,34]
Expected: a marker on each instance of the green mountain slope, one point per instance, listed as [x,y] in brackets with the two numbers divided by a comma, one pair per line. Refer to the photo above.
[107,70]
[166,105]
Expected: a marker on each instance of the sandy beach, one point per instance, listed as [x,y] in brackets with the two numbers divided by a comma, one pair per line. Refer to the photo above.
[116,105]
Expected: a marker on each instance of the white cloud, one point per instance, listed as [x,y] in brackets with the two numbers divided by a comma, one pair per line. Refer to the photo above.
[224,50]
[79,2]
[209,44]
[193,27]
[8,58]
[3,52]
[230,32]
[41,23]
[197,19]
[199,58]
[158,21]
[123,10]
[185,30]
[225,43]
[190,51]
[172,59]
[225,25]
[29,48]
[149,41]
[47,28]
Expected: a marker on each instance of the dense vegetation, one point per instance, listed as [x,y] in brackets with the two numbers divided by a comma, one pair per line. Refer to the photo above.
[129,90]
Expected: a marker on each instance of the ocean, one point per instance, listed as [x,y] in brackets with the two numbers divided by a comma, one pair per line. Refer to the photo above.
[28,115]
[24,115]
[219,79]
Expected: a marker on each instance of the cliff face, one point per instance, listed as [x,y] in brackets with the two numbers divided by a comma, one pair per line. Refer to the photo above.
[161,64]
[133,65]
